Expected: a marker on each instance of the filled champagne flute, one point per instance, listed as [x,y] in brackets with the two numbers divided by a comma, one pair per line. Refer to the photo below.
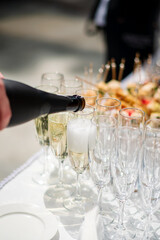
[78,132]
[125,164]
[41,125]
[57,127]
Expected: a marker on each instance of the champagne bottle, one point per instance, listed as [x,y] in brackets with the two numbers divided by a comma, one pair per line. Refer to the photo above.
[28,103]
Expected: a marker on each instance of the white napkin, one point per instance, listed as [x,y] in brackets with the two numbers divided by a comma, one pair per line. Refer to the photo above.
[90,227]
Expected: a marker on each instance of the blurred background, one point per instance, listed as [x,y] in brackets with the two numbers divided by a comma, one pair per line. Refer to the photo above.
[35,37]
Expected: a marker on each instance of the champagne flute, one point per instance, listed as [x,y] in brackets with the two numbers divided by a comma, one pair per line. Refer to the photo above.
[101,151]
[111,107]
[90,95]
[70,86]
[149,175]
[108,106]
[125,163]
[78,132]
[57,126]
[41,125]
[53,79]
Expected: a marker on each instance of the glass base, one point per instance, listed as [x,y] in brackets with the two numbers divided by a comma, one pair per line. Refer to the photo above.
[41,179]
[69,176]
[55,203]
[113,232]
[57,191]
[78,206]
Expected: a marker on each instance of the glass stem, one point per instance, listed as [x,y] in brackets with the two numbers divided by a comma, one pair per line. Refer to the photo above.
[45,167]
[100,198]
[78,189]
[121,215]
[147,227]
[60,173]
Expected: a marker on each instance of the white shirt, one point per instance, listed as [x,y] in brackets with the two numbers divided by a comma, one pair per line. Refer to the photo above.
[100,16]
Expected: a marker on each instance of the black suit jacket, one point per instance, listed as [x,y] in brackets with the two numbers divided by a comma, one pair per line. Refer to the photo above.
[136,16]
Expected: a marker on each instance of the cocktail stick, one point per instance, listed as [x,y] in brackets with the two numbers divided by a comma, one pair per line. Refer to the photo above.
[113,66]
[100,73]
[149,59]
[107,68]
[88,82]
[121,69]
[149,66]
[139,80]
[91,72]
[85,72]
[136,61]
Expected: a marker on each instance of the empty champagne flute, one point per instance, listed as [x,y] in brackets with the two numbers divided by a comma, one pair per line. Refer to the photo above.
[41,125]
[53,79]
[90,95]
[70,86]
[149,175]
[111,107]
[78,132]
[125,164]
[108,106]
[101,151]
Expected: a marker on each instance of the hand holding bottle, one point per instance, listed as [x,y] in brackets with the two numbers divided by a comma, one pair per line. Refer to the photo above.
[5,110]
[25,103]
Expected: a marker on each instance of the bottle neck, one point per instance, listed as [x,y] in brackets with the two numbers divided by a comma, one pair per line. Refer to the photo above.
[61,103]
[77,103]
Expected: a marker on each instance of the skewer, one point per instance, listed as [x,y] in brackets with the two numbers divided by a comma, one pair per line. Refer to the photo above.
[85,72]
[138,84]
[107,68]
[100,73]
[121,69]
[84,80]
[148,66]
[149,59]
[91,72]
[113,66]
[136,61]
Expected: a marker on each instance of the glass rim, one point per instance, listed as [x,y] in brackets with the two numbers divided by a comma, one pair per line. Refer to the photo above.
[85,113]
[152,120]
[54,114]
[107,98]
[47,85]
[66,85]
[85,89]
[54,73]
[134,117]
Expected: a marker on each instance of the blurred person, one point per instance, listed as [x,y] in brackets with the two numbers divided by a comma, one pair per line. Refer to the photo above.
[5,110]
[128,27]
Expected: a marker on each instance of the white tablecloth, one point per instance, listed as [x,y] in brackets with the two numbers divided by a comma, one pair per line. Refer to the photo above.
[20,188]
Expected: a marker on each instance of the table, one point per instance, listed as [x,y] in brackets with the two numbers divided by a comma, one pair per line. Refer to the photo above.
[20,188]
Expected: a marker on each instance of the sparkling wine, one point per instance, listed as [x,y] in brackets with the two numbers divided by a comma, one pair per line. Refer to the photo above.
[41,124]
[77,137]
[58,134]
[79,161]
